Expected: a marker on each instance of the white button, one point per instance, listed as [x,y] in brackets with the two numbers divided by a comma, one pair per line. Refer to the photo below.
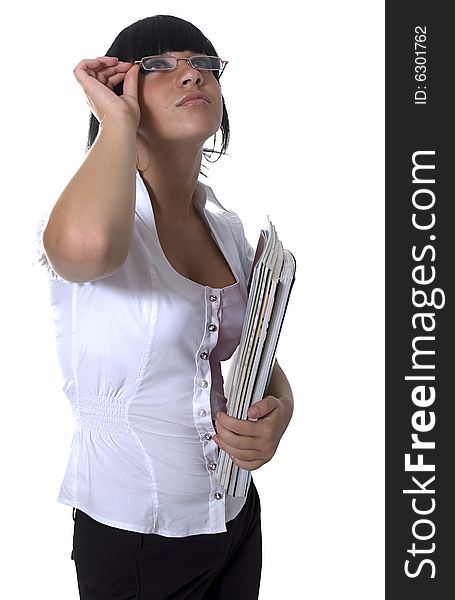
[208,436]
[212,466]
[203,383]
[202,412]
[218,496]
[203,355]
[212,327]
[212,298]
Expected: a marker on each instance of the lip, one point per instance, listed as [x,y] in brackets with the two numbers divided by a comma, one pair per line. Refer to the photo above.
[194,96]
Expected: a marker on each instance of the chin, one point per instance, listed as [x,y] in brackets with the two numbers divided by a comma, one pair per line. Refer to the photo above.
[197,135]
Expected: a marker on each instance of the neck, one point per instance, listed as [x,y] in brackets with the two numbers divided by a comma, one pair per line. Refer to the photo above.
[170,174]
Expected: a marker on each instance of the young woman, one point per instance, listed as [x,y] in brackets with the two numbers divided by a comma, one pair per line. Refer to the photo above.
[148,275]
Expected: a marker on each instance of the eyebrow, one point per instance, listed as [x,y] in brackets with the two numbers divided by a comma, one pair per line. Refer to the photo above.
[192,53]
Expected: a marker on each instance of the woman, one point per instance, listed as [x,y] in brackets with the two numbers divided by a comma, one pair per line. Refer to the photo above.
[148,275]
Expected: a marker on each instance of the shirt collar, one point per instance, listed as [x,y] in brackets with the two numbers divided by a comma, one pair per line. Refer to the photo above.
[204,198]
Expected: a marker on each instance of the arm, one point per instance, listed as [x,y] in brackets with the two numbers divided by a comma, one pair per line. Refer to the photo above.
[280,388]
[253,443]
[90,227]
[89,230]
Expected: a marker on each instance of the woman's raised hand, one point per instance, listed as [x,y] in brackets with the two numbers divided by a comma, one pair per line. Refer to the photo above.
[98,76]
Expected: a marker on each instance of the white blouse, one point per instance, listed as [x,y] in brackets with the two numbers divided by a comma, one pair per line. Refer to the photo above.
[140,355]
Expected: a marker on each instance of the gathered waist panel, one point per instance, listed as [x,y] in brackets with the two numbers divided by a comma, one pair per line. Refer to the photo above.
[103,414]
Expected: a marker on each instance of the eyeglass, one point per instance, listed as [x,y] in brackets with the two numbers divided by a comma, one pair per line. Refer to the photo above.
[169,63]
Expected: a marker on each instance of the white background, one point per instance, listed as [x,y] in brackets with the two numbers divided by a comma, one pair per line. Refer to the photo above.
[304,92]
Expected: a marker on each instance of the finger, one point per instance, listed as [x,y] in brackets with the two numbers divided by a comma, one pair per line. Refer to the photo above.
[91,66]
[120,67]
[130,83]
[111,76]
[263,407]
[243,454]
[248,465]
[115,79]
[96,63]
[239,426]
[237,441]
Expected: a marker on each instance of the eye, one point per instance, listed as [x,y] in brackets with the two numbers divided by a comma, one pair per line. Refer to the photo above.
[201,62]
[158,63]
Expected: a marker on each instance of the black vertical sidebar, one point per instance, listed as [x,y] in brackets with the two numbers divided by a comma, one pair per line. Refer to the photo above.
[420,328]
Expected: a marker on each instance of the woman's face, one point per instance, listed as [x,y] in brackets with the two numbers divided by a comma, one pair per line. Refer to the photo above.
[159,95]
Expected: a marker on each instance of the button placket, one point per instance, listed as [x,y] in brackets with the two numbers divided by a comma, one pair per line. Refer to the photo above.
[212,335]
[202,409]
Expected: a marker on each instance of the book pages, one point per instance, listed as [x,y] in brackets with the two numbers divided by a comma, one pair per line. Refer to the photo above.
[270,283]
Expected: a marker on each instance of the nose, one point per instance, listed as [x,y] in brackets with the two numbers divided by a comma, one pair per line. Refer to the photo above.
[189,75]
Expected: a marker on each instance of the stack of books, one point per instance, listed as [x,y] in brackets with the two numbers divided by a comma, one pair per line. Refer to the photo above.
[270,283]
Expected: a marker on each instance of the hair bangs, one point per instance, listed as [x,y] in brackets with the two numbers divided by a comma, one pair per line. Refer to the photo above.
[157,35]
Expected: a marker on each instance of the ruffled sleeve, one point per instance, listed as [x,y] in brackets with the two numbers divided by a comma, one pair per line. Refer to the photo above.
[41,259]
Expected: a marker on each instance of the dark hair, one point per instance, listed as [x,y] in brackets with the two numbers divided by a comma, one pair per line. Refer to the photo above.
[156,35]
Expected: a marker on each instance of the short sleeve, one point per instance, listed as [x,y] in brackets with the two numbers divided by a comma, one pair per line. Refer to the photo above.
[246,251]
[41,259]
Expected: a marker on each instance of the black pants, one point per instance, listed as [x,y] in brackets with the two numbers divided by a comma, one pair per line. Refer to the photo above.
[114,563]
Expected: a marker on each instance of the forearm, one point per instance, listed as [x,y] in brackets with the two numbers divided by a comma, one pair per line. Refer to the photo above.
[280,388]
[92,221]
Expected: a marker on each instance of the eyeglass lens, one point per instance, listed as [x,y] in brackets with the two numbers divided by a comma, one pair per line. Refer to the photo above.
[164,63]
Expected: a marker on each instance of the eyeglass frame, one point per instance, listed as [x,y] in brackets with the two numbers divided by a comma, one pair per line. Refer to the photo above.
[188,60]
